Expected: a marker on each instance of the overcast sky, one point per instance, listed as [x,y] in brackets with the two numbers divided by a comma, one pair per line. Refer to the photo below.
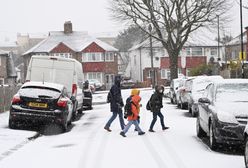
[42,16]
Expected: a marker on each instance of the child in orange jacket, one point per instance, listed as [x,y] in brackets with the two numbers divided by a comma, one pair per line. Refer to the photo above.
[133,119]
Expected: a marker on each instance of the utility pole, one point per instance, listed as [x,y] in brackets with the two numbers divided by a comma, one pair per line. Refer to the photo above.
[242,45]
[151,53]
[218,20]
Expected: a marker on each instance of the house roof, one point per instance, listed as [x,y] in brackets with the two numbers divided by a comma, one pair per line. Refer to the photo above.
[77,41]
[199,38]
[237,40]
[5,53]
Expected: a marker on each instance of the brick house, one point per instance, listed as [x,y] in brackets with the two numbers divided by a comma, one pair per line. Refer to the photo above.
[3,66]
[233,48]
[198,50]
[99,59]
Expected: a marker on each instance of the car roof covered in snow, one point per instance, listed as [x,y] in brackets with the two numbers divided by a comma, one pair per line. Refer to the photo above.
[230,81]
[44,84]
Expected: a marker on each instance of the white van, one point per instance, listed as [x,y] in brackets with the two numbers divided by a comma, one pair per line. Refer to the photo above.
[65,71]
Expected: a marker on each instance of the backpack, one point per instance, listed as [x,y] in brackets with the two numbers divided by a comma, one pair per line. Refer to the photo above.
[109,97]
[128,107]
[148,104]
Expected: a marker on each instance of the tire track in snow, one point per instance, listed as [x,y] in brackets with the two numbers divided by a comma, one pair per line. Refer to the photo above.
[172,152]
[18,146]
[86,150]
[154,154]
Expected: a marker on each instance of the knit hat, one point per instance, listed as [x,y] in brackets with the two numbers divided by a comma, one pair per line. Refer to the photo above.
[135,92]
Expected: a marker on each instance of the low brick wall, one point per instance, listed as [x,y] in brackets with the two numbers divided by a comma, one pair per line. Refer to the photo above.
[6,94]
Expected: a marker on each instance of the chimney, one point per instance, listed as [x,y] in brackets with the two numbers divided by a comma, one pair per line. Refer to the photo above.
[67,27]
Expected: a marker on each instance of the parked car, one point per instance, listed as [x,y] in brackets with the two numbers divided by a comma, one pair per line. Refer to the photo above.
[98,85]
[196,90]
[179,90]
[65,71]
[223,112]
[127,84]
[246,146]
[41,102]
[183,93]
[87,102]
[173,89]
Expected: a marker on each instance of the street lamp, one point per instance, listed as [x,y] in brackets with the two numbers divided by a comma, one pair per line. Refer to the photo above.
[151,53]
[242,45]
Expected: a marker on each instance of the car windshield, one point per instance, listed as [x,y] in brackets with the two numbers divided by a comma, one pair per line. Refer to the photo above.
[37,92]
[226,92]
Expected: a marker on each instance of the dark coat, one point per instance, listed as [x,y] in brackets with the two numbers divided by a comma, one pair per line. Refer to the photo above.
[156,102]
[116,101]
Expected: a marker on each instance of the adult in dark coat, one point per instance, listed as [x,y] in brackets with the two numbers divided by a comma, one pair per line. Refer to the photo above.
[156,105]
[116,104]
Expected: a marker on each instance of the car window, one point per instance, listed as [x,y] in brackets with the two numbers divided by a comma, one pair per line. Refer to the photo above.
[226,91]
[36,92]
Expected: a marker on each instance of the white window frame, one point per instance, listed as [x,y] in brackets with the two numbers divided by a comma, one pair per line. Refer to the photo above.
[94,75]
[213,50]
[109,57]
[63,55]
[195,50]
[93,57]
[165,74]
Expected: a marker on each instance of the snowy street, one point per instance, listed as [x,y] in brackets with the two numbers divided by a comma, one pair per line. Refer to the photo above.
[88,145]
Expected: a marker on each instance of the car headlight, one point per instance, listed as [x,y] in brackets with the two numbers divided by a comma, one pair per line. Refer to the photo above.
[227,118]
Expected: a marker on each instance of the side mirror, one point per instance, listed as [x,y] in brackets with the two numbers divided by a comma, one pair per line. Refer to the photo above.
[204,100]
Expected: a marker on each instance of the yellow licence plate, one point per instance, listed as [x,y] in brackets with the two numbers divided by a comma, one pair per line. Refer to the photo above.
[40,105]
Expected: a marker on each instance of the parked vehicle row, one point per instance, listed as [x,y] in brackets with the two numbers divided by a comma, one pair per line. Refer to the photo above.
[53,92]
[221,109]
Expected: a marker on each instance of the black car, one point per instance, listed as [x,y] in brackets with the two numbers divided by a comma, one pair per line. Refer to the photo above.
[38,102]
[223,112]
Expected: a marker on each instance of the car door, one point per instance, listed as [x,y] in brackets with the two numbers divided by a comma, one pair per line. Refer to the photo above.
[204,108]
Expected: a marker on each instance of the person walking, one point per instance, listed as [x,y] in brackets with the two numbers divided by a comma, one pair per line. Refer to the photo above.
[134,117]
[116,104]
[156,103]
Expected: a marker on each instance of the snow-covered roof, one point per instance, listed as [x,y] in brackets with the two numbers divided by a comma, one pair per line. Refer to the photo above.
[44,84]
[2,52]
[199,38]
[237,40]
[77,41]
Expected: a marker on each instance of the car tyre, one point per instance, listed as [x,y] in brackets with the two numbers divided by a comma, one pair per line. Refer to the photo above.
[246,152]
[199,131]
[212,141]
[12,124]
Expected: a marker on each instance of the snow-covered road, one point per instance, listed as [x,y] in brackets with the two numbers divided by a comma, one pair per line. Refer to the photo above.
[88,145]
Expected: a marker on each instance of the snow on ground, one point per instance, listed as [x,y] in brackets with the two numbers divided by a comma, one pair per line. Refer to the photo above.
[88,145]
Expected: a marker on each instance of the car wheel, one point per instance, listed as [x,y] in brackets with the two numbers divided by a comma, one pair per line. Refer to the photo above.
[12,124]
[246,152]
[199,131]
[193,112]
[212,140]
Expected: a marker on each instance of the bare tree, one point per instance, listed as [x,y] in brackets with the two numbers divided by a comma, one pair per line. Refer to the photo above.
[172,20]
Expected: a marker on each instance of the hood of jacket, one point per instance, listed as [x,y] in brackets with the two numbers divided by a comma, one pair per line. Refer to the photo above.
[135,92]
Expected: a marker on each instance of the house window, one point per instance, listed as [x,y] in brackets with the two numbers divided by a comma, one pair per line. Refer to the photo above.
[197,51]
[188,51]
[109,56]
[165,74]
[94,75]
[213,52]
[92,57]
[63,55]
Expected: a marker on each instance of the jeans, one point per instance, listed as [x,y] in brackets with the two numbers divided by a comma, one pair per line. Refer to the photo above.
[112,118]
[155,114]
[135,122]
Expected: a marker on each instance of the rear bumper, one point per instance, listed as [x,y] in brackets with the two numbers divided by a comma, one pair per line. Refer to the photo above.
[18,113]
